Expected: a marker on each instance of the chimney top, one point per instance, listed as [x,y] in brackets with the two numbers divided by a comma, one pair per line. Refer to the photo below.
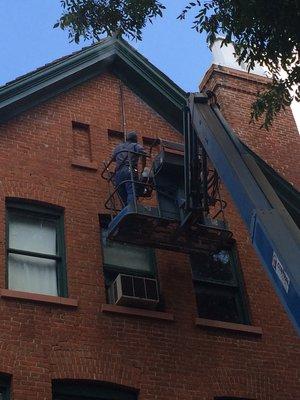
[225,56]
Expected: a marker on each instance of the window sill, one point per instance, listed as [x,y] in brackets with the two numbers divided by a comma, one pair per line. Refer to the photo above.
[229,326]
[83,163]
[40,298]
[137,312]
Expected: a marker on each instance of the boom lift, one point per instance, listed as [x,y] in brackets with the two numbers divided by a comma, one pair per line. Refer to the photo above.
[185,215]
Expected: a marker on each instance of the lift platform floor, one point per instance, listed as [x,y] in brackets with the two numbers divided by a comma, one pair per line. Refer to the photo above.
[143,226]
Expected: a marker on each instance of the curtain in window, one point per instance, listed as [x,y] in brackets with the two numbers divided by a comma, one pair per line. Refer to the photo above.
[32,273]
[32,234]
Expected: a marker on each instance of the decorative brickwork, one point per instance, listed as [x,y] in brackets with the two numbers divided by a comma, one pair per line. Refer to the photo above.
[81,141]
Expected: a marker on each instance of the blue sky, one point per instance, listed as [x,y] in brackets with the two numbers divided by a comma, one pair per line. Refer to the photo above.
[28,41]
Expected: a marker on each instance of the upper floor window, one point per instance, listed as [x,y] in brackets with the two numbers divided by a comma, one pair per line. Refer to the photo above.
[219,287]
[35,249]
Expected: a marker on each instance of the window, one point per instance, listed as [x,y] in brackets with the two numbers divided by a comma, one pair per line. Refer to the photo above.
[84,390]
[128,259]
[35,249]
[124,258]
[218,286]
[4,387]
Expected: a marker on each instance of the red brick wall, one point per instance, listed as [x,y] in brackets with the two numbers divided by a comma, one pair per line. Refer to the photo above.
[162,359]
[236,91]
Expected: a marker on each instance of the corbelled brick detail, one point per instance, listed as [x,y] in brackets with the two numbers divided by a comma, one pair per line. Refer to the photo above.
[162,359]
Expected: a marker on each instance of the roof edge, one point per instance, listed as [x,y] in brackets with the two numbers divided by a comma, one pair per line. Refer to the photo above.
[111,53]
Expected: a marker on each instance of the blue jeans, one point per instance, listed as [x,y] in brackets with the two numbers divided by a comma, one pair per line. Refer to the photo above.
[125,189]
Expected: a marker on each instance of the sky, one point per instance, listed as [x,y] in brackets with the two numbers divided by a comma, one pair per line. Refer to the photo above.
[28,41]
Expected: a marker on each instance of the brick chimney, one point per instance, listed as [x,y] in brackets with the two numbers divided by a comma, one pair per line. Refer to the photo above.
[235,90]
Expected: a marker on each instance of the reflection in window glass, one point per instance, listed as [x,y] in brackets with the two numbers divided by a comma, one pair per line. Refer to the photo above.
[218,288]
[215,266]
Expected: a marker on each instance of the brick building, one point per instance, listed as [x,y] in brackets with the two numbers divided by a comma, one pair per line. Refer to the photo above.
[209,338]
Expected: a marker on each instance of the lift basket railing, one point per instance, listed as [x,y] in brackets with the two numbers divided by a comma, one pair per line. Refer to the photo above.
[142,186]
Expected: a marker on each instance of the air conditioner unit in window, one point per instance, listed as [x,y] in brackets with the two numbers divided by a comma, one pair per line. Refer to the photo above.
[135,291]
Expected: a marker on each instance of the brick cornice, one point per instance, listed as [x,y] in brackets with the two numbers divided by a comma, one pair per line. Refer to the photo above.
[242,89]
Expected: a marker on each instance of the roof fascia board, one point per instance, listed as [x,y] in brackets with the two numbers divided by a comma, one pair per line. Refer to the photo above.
[150,86]
[150,73]
[57,70]
[41,85]
[30,88]
[48,93]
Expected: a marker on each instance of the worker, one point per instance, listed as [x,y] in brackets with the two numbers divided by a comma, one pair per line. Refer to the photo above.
[127,155]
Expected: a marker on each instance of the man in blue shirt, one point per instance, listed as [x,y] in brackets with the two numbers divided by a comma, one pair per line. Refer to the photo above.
[126,155]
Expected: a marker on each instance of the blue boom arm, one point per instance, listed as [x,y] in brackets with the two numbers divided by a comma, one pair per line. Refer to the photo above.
[274,234]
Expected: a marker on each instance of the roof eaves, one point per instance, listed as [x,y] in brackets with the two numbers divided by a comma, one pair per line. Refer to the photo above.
[151,73]
[60,75]
[33,84]
[52,64]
